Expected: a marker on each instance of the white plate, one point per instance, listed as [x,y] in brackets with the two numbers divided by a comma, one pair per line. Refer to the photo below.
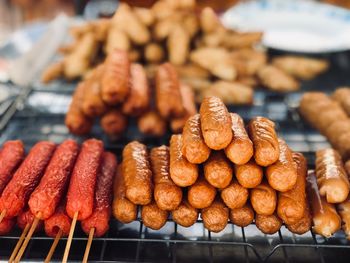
[293,25]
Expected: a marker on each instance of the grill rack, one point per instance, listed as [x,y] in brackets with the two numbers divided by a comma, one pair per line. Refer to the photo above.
[36,119]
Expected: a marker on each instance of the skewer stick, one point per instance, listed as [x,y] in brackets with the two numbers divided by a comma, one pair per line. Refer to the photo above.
[26,241]
[2,215]
[88,245]
[70,237]
[19,243]
[53,246]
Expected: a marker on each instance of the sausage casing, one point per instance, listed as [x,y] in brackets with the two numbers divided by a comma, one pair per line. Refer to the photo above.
[282,175]
[194,148]
[234,195]
[302,225]
[185,215]
[344,212]
[326,220]
[6,226]
[218,170]
[291,204]
[215,216]
[240,150]
[215,123]
[58,221]
[137,173]
[182,172]
[263,199]
[249,175]
[27,218]
[201,194]
[332,179]
[266,147]
[268,224]
[242,216]
[113,122]
[151,123]
[167,195]
[153,217]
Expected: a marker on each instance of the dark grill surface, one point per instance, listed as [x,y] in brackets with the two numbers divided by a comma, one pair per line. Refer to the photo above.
[40,116]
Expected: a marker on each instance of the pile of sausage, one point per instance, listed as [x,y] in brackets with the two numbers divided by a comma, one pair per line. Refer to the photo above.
[55,181]
[118,89]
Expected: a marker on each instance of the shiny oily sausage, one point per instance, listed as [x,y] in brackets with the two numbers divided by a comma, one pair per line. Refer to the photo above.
[218,170]
[242,216]
[302,225]
[58,221]
[268,224]
[185,215]
[153,217]
[249,175]
[215,217]
[234,195]
[201,194]
[27,218]
[263,199]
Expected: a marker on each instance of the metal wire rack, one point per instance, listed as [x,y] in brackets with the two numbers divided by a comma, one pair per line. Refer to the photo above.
[39,115]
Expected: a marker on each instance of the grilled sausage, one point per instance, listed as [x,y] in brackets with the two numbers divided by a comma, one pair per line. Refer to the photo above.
[242,216]
[218,170]
[268,224]
[151,123]
[113,122]
[185,215]
[249,175]
[215,123]
[116,76]
[46,197]
[58,221]
[234,195]
[16,194]
[215,216]
[167,195]
[302,225]
[282,175]
[182,172]
[201,194]
[123,210]
[101,214]
[153,217]
[11,155]
[194,148]
[168,86]
[81,190]
[6,226]
[344,212]
[332,179]
[263,199]
[291,204]
[137,173]
[266,147]
[326,220]
[27,218]
[240,150]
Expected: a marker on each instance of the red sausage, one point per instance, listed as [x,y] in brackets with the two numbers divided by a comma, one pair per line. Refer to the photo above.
[6,226]
[58,221]
[26,218]
[103,197]
[47,195]
[26,178]
[81,191]
[11,156]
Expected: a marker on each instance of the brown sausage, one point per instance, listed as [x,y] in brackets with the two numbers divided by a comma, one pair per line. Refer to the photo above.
[291,204]
[282,175]
[240,150]
[194,148]
[151,123]
[185,215]
[215,216]
[249,175]
[263,199]
[153,217]
[344,212]
[242,216]
[182,172]
[123,210]
[326,220]
[218,170]
[332,179]
[215,123]
[234,195]
[137,173]
[201,194]
[303,225]
[113,122]
[167,195]
[139,97]
[268,224]
[266,147]
[168,96]
[116,77]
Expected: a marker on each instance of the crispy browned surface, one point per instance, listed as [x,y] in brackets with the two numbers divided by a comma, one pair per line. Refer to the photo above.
[332,180]
[242,216]
[215,216]
[342,95]
[344,212]
[152,123]
[249,175]
[268,224]
[304,224]
[215,123]
[263,199]
[266,147]
[282,175]
[113,122]
[185,215]
[218,170]
[201,194]
[182,172]
[153,217]
[234,195]
[240,150]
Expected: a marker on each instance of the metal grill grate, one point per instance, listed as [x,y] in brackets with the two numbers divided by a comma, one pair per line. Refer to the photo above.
[40,116]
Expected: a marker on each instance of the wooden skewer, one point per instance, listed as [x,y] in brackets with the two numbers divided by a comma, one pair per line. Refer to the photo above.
[19,243]
[88,245]
[70,237]
[53,246]
[2,215]
[27,239]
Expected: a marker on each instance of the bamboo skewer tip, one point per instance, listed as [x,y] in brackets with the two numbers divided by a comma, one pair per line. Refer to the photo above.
[88,245]
[19,243]
[70,237]
[53,246]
